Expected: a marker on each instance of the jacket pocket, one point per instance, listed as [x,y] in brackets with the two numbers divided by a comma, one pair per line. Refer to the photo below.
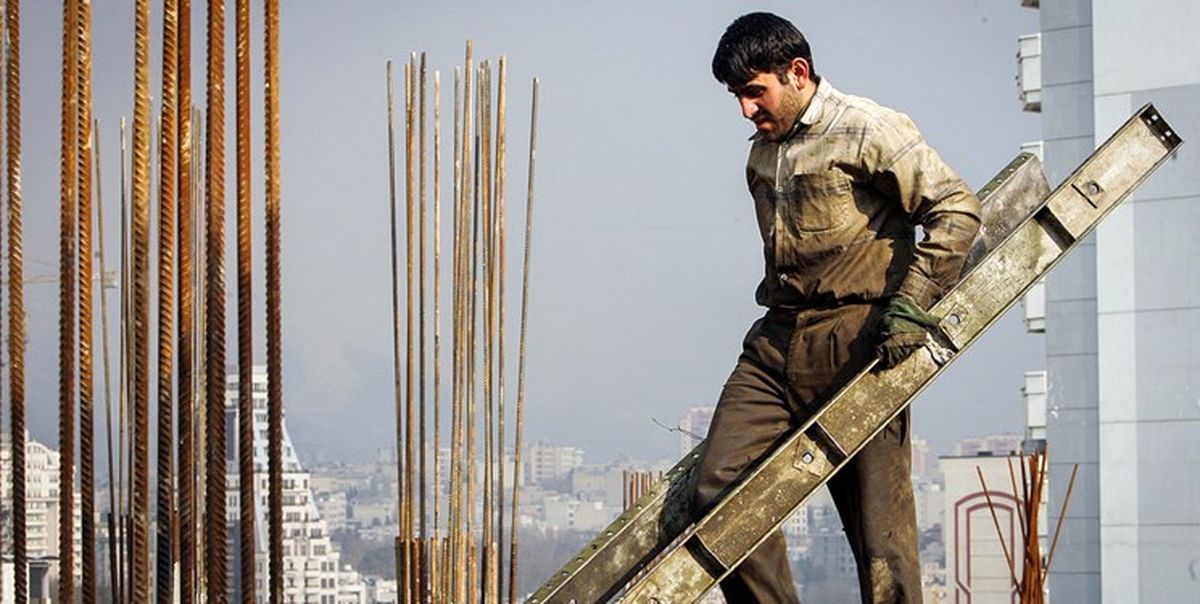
[817,202]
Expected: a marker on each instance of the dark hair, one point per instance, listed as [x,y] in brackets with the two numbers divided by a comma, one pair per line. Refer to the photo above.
[758,42]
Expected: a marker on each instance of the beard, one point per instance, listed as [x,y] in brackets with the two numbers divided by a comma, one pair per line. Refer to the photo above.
[791,106]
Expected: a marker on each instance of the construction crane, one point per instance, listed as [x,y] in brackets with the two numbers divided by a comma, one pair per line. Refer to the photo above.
[654,553]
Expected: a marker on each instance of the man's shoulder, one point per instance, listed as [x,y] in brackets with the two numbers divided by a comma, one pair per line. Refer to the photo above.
[867,113]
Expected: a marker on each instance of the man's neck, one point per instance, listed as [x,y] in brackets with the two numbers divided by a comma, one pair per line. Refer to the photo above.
[807,93]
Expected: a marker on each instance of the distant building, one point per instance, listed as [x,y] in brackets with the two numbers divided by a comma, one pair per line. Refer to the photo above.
[332,506]
[42,468]
[1122,311]
[930,502]
[694,427]
[999,444]
[599,483]
[545,462]
[924,461]
[976,567]
[570,513]
[312,568]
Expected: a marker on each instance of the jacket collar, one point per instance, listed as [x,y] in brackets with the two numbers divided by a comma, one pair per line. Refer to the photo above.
[816,105]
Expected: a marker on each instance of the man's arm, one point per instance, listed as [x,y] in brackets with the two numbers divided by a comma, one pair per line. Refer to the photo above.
[904,166]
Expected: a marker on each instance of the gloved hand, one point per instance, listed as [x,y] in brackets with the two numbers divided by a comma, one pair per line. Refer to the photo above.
[902,329]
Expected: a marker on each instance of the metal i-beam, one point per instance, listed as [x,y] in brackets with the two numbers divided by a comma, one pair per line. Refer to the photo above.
[661,514]
[706,552]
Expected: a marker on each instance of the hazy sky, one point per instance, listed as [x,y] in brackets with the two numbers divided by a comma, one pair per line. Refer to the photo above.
[645,250]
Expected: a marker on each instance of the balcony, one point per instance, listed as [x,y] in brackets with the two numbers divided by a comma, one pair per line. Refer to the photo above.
[1029,71]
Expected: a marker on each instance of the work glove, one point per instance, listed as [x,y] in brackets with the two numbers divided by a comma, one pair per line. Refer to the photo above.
[903,329]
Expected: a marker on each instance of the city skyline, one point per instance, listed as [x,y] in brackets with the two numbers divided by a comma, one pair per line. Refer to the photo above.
[655,256]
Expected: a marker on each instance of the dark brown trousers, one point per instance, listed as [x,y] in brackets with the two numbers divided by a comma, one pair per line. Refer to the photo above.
[790,364]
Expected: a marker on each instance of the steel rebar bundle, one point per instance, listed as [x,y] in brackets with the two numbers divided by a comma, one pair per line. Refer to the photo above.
[164,556]
[245,406]
[16,297]
[67,293]
[1030,584]
[216,562]
[463,559]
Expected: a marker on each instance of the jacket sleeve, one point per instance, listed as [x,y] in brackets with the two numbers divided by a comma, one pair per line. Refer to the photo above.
[933,196]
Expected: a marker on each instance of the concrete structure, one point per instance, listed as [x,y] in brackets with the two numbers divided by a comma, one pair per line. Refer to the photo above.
[1122,311]
[312,567]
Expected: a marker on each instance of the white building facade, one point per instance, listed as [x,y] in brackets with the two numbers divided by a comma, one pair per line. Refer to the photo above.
[41,508]
[1122,311]
[313,573]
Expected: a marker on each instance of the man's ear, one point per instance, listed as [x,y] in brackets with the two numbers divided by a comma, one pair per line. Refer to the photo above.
[800,69]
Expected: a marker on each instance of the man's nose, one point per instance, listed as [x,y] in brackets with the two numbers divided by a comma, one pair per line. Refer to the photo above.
[749,108]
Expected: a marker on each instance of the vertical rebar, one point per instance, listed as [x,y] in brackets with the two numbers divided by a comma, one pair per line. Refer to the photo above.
[124,434]
[216,562]
[999,534]
[245,415]
[66,320]
[114,577]
[83,137]
[200,398]
[512,556]
[409,337]
[487,267]
[274,296]
[16,293]
[1058,527]
[140,256]
[164,558]
[187,308]
[391,131]
[501,181]
[472,243]
[454,495]
[435,569]
[421,245]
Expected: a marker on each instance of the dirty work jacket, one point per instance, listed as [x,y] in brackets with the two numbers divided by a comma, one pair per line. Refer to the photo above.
[838,201]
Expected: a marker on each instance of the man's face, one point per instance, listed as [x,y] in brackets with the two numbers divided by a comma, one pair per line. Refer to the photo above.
[772,104]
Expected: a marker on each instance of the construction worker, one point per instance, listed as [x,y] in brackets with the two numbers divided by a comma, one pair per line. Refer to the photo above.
[840,185]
